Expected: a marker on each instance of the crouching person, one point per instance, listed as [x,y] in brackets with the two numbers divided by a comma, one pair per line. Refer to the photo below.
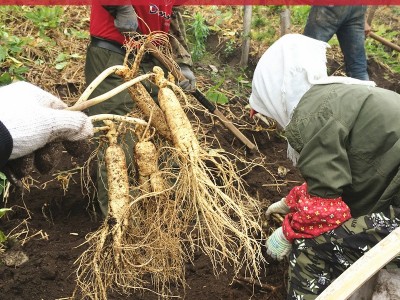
[344,136]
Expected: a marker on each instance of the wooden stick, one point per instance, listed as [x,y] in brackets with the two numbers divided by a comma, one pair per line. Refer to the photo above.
[384,41]
[247,11]
[364,268]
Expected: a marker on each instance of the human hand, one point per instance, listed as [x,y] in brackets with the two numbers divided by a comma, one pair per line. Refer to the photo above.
[279,207]
[189,84]
[35,118]
[126,18]
[277,245]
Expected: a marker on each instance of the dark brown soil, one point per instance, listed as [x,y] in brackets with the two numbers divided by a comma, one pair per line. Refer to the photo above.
[54,222]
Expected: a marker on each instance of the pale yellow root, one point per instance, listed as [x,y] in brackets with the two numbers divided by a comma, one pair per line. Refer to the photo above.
[102,265]
[211,195]
[150,109]
[182,132]
[147,161]
[118,182]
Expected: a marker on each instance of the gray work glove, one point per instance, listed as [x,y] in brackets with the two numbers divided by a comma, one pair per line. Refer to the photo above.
[277,245]
[125,18]
[189,84]
[279,207]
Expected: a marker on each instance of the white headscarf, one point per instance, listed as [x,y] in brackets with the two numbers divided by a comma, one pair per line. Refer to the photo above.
[285,72]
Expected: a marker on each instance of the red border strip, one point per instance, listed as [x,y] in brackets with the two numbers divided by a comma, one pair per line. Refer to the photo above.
[205,2]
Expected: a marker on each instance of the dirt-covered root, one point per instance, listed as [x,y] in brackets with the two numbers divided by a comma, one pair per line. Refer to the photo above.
[157,235]
[224,218]
[210,194]
[150,178]
[150,109]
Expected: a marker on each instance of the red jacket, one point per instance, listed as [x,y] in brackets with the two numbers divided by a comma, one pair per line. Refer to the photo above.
[157,18]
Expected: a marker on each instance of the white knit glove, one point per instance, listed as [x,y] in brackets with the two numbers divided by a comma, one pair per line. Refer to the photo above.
[24,93]
[34,118]
[277,245]
[279,207]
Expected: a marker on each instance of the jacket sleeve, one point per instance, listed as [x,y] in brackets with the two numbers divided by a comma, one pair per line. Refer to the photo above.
[312,216]
[323,160]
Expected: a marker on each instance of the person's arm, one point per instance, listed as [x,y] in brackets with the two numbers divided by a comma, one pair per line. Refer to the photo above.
[322,142]
[305,217]
[312,216]
[315,207]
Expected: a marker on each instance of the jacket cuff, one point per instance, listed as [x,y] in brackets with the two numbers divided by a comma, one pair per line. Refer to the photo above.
[6,145]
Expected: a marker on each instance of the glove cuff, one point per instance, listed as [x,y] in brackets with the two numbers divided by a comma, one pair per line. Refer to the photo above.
[277,244]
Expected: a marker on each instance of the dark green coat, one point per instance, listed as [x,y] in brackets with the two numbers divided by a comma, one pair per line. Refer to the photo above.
[348,140]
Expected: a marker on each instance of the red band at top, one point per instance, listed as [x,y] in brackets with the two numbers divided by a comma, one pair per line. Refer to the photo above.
[205,2]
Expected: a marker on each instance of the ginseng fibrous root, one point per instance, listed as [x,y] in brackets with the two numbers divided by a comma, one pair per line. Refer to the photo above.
[110,262]
[156,214]
[211,194]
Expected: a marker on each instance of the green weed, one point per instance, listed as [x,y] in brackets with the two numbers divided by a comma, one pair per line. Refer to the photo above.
[3,237]
[11,49]
[299,14]
[199,32]
[230,47]
[3,183]
[45,17]
[63,59]
[216,96]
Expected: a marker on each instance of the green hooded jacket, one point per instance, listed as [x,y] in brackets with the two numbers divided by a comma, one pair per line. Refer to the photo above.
[348,140]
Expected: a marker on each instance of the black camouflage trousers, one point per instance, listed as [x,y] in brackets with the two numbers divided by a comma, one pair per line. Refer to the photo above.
[315,263]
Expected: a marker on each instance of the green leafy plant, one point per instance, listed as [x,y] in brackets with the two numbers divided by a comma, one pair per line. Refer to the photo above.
[79,34]
[3,237]
[230,47]
[299,14]
[216,96]
[199,32]
[3,183]
[265,23]
[45,17]
[11,48]
[63,59]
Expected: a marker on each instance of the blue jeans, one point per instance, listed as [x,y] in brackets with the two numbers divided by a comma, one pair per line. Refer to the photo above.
[348,23]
